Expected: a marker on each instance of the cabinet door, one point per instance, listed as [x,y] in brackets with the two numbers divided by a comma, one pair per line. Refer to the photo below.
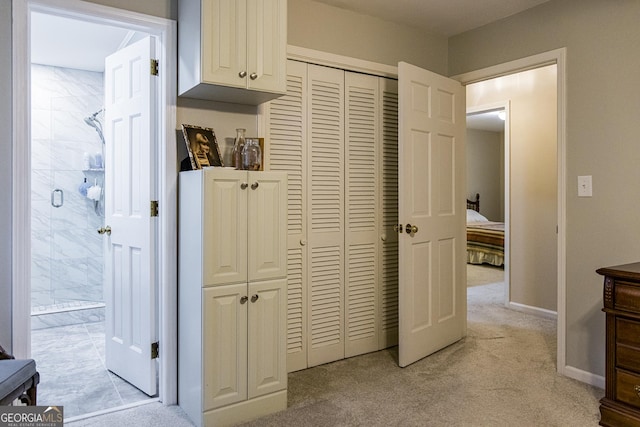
[225,227]
[267,224]
[224,357]
[224,42]
[267,45]
[267,337]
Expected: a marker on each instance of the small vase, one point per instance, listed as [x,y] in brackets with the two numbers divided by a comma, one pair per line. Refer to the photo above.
[251,155]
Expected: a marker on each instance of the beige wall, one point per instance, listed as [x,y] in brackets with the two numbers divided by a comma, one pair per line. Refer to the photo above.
[603,105]
[532,180]
[485,170]
[326,28]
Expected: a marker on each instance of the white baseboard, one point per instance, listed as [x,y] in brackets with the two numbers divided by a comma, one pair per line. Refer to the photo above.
[583,376]
[541,312]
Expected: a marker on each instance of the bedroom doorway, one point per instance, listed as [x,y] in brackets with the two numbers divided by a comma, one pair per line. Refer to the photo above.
[530,182]
[487,261]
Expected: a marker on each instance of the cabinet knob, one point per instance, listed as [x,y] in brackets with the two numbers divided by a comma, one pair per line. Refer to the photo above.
[303,242]
[254,298]
[383,237]
[244,185]
[637,390]
[253,76]
[254,185]
[242,74]
[244,299]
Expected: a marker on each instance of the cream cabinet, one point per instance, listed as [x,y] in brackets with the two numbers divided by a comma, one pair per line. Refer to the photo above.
[232,50]
[232,295]
[335,134]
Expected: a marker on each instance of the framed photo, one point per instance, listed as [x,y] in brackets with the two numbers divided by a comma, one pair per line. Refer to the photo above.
[202,146]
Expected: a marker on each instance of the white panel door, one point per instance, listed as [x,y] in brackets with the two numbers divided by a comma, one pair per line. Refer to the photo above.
[267,45]
[267,239]
[431,203]
[286,133]
[224,41]
[362,192]
[130,284]
[325,168]
[224,348]
[225,245]
[267,360]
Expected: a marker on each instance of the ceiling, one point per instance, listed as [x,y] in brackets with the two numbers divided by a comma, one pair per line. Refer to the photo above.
[488,121]
[442,17]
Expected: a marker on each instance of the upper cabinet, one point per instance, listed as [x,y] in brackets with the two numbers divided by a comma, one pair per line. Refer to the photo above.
[232,50]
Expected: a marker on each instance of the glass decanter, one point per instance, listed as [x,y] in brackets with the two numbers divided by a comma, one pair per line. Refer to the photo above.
[238,146]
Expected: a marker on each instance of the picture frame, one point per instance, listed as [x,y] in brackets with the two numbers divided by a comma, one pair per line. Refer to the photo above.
[202,146]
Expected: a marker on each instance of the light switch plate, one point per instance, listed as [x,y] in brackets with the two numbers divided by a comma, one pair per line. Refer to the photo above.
[585,187]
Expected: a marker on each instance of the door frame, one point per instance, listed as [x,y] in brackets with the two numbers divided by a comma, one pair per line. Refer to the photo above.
[558,57]
[506,106]
[164,31]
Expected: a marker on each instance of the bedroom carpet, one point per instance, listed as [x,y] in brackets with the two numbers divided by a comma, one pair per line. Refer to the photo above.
[501,374]
[483,274]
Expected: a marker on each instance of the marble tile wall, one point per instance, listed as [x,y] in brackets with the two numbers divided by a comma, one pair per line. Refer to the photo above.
[66,249]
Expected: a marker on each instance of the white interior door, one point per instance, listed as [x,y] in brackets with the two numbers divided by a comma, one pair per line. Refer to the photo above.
[130,288]
[432,275]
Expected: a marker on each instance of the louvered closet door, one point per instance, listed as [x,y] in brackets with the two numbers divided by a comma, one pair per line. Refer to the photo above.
[388,208]
[361,231]
[285,130]
[325,168]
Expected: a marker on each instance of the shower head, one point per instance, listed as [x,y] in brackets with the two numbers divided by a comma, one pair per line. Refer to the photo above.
[93,121]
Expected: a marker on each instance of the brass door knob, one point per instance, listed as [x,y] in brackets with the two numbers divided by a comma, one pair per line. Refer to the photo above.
[411,229]
[105,230]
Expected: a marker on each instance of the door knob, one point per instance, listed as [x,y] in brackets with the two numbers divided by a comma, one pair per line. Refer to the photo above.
[411,229]
[105,230]
[397,228]
[253,76]
[242,74]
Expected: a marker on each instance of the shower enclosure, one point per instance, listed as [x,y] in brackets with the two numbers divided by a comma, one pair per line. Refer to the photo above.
[66,195]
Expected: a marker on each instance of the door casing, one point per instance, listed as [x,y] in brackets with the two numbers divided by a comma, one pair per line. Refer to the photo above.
[164,30]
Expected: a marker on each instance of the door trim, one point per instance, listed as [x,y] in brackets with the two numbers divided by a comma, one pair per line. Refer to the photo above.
[558,57]
[164,30]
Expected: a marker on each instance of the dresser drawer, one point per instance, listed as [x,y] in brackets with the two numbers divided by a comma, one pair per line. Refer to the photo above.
[627,297]
[626,384]
[628,344]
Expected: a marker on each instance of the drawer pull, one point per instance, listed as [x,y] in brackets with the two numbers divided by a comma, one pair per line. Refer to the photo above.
[637,389]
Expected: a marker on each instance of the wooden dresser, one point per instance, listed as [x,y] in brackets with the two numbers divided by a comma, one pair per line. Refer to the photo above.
[621,404]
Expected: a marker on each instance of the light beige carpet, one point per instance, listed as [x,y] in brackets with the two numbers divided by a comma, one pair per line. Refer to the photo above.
[503,373]
[484,274]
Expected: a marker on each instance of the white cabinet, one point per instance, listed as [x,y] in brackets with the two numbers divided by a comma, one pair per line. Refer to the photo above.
[336,133]
[232,50]
[232,295]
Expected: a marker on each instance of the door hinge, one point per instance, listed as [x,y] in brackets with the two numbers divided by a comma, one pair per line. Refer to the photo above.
[154,208]
[154,67]
[155,350]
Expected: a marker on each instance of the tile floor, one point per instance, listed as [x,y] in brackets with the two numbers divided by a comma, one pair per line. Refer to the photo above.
[70,360]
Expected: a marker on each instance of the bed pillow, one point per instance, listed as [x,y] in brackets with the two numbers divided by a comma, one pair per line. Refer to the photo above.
[473,216]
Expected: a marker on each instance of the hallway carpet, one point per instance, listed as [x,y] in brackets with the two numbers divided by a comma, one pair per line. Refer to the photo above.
[501,374]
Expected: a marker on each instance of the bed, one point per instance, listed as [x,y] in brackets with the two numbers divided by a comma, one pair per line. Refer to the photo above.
[485,239]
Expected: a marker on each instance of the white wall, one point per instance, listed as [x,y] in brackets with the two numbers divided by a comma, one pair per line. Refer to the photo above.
[485,170]
[603,104]
[532,180]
